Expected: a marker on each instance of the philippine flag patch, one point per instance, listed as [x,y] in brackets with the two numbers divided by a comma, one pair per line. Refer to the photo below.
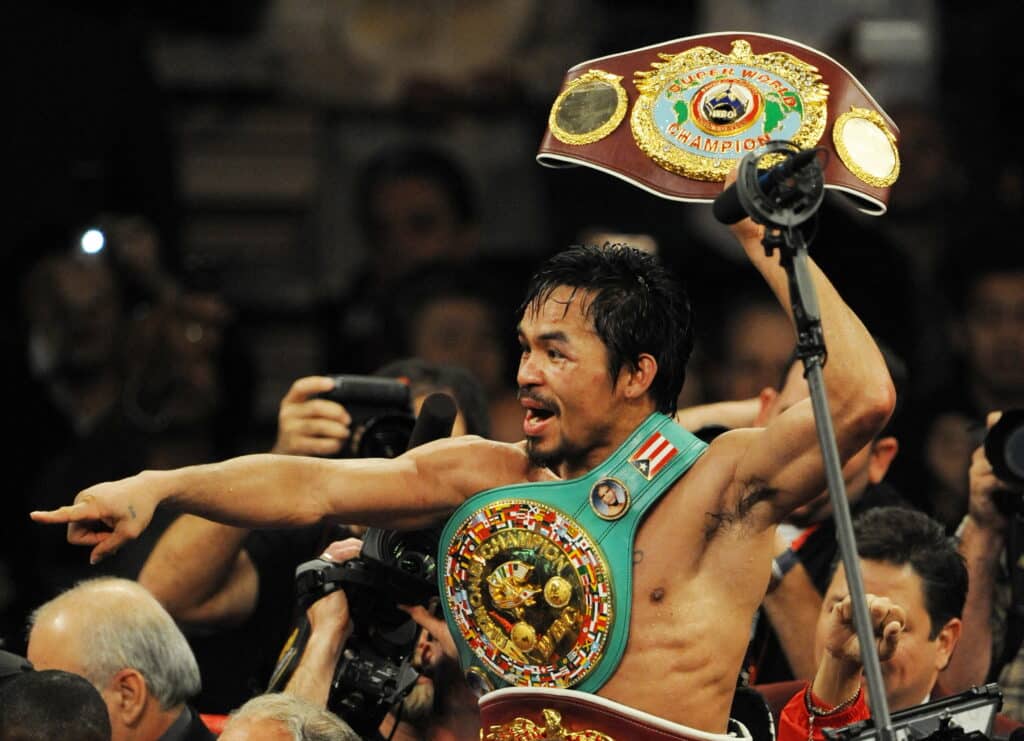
[653,455]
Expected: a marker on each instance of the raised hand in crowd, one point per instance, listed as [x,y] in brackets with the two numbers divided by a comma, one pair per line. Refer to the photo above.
[839,671]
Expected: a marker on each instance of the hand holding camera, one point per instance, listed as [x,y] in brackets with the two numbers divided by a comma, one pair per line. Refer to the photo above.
[330,616]
[997,472]
[380,414]
[308,423]
[427,618]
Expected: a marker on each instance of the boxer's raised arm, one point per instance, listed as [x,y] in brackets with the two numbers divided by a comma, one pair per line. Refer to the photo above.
[783,466]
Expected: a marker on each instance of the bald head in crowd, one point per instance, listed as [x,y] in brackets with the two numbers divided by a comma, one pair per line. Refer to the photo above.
[115,634]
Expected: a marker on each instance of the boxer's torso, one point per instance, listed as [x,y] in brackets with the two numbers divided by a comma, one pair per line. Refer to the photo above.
[696,579]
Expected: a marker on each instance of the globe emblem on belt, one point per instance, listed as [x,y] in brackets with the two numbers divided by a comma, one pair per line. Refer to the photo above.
[725,107]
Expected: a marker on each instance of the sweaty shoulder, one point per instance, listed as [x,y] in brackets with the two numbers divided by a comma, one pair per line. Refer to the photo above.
[475,464]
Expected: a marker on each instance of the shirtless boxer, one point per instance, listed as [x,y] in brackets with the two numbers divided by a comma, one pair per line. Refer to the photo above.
[605,334]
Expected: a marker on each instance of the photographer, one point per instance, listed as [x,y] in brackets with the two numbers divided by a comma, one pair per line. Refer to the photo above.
[427,712]
[992,623]
[227,586]
[218,580]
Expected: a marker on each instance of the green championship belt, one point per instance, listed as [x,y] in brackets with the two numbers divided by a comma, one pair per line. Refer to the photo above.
[537,578]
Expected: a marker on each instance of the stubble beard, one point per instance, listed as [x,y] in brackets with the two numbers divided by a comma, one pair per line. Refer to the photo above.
[562,454]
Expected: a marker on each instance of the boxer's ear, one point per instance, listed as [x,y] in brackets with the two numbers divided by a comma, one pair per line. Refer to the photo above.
[636,381]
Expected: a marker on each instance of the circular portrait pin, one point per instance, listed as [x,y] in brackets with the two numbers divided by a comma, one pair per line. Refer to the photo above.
[609,498]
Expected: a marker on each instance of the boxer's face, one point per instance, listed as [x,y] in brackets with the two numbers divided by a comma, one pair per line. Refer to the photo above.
[564,384]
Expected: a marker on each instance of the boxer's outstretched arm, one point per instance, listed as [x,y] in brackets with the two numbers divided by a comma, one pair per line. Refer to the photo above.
[413,490]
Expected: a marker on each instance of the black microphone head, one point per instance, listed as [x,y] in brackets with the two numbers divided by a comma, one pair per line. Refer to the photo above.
[435,420]
[726,208]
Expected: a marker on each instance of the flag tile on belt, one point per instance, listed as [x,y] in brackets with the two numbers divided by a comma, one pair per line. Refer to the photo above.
[653,455]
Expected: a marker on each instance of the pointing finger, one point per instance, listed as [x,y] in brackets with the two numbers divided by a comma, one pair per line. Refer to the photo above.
[67,513]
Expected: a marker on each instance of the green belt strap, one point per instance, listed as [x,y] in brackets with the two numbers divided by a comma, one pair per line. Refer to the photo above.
[646,480]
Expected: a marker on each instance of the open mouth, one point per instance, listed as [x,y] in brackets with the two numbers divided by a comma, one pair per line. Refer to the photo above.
[536,420]
[539,414]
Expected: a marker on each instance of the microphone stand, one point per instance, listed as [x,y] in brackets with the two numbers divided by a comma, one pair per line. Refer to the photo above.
[784,208]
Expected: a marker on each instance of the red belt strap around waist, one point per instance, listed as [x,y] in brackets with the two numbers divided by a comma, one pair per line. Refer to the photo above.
[542,713]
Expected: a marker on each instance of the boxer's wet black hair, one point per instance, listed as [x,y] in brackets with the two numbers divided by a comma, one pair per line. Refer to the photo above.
[636,304]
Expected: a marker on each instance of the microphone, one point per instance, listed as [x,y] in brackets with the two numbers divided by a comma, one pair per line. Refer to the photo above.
[727,207]
[435,420]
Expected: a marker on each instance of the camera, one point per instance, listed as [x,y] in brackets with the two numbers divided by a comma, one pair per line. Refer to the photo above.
[1004,447]
[374,672]
[381,411]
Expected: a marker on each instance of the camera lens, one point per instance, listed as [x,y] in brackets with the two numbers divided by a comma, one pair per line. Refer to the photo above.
[385,436]
[1004,447]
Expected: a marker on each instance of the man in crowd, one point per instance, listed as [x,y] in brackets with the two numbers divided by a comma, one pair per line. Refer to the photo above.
[115,634]
[993,601]
[985,288]
[605,333]
[916,584]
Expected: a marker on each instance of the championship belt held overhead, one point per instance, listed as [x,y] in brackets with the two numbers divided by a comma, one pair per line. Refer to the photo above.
[695,106]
